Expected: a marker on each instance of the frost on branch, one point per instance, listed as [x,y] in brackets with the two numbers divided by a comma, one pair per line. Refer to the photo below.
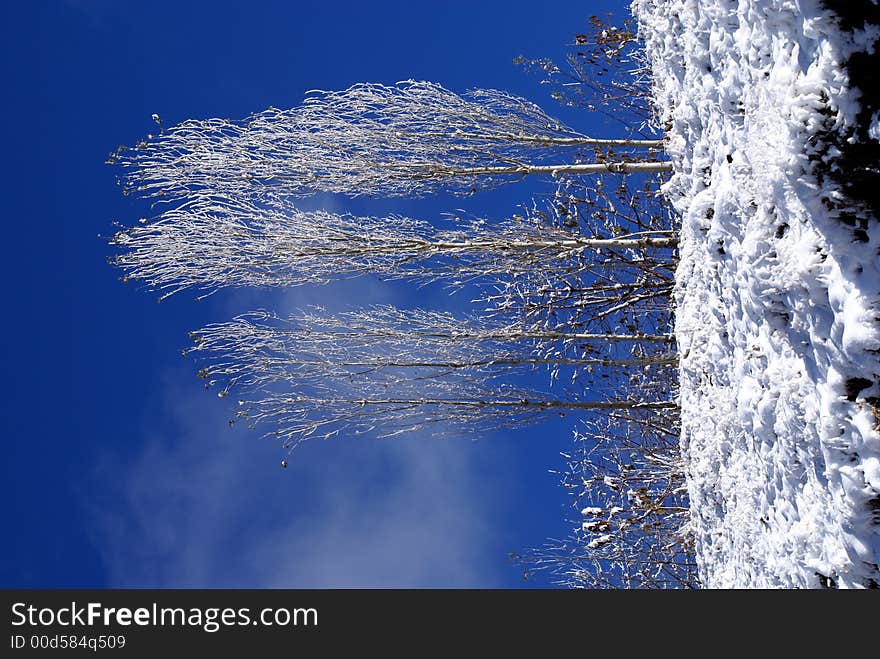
[409,139]
[622,288]
[211,242]
[388,371]
[632,527]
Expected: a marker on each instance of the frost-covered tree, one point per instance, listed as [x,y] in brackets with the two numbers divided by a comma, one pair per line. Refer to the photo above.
[210,242]
[577,286]
[605,71]
[260,347]
[613,288]
[631,527]
[409,139]
[390,371]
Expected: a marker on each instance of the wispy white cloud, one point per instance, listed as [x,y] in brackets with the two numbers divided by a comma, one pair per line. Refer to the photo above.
[206,506]
[203,505]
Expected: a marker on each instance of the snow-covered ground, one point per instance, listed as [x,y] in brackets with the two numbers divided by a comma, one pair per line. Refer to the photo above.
[778,291]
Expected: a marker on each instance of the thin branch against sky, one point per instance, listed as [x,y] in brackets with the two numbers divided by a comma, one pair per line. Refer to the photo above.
[410,139]
[211,242]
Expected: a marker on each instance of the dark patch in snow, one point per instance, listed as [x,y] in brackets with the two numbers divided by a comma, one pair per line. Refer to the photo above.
[780,320]
[860,236]
[826,582]
[854,385]
[851,220]
[874,507]
[857,167]
[853,14]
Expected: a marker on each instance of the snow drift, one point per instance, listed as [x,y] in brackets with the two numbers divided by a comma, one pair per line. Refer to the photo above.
[778,285]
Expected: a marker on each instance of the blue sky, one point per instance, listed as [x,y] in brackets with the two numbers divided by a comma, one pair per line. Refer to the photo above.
[120,470]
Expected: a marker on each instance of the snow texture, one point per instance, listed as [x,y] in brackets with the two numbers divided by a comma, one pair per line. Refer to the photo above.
[777,297]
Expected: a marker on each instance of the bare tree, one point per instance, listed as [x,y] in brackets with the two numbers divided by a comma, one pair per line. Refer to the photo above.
[441,411]
[632,524]
[261,348]
[612,288]
[210,242]
[603,294]
[392,371]
[605,71]
[625,474]
[404,140]
[579,285]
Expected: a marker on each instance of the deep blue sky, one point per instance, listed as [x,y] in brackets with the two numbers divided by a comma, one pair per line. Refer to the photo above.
[119,469]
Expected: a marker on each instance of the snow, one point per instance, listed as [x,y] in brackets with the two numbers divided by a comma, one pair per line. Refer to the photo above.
[601,541]
[777,298]
[874,130]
